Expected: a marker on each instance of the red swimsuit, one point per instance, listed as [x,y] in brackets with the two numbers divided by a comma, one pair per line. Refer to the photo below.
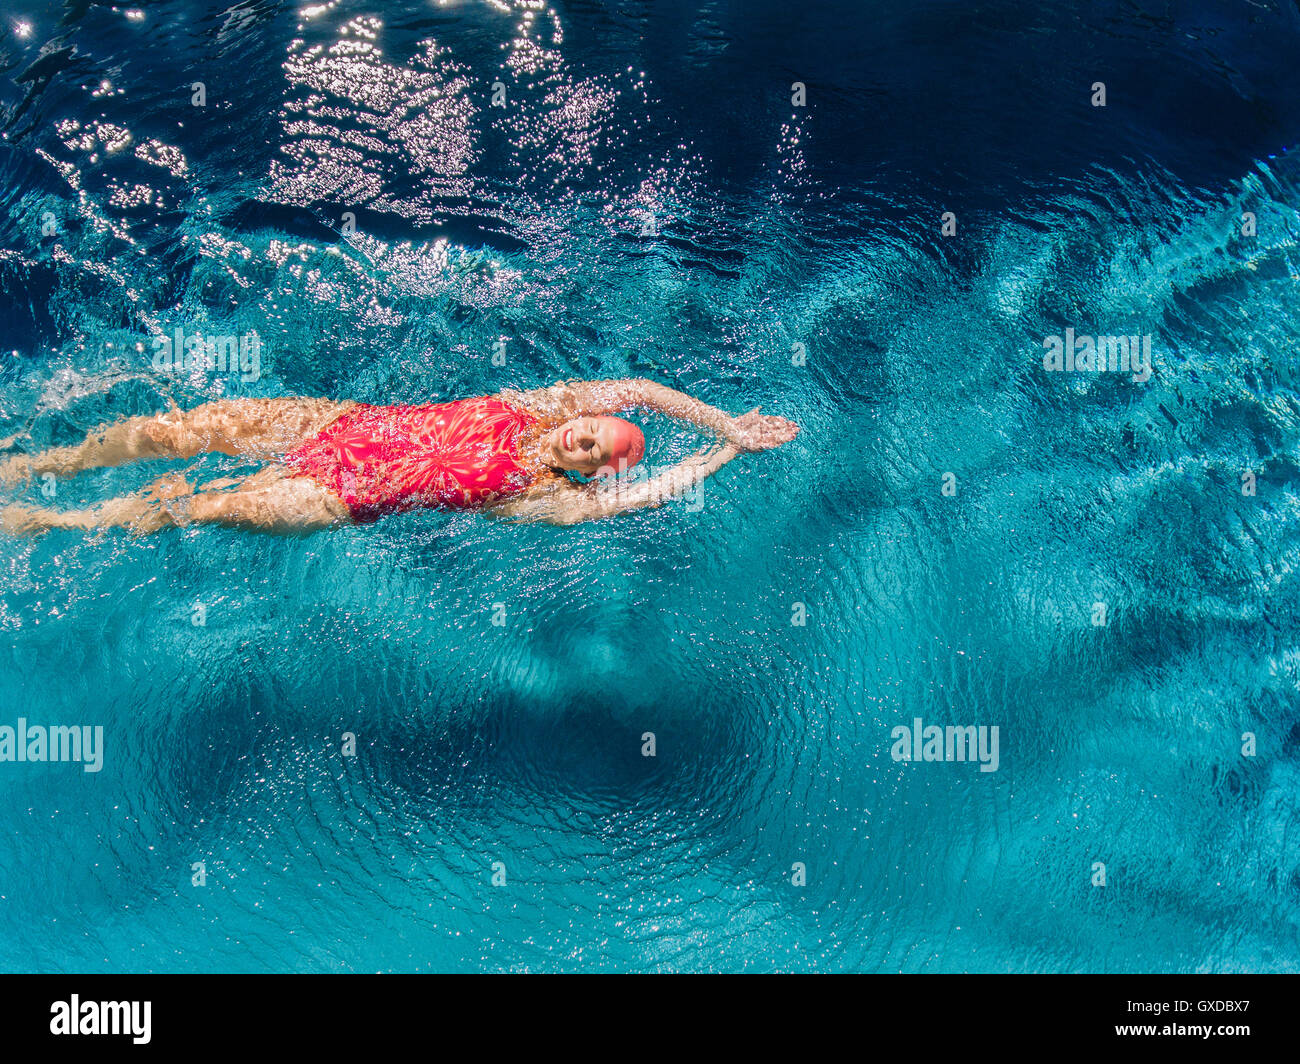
[382,459]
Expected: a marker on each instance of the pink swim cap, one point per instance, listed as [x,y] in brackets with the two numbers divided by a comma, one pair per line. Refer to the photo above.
[628,444]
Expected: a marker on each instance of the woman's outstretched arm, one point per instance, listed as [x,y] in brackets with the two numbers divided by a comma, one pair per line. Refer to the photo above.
[749,432]
[594,398]
[566,503]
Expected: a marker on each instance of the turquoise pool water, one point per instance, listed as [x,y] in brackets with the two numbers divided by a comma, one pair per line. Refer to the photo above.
[649,203]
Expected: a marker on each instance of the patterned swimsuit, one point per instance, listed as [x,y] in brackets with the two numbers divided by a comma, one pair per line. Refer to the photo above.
[384,459]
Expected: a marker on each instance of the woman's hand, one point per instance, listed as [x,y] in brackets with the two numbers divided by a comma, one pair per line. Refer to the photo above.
[759,432]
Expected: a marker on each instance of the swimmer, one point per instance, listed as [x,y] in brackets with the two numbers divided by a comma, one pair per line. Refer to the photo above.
[333,463]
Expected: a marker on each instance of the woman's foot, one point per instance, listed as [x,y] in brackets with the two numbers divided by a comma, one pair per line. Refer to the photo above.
[27,520]
[15,471]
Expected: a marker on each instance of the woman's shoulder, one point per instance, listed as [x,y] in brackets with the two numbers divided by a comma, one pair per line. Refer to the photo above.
[475,404]
[555,402]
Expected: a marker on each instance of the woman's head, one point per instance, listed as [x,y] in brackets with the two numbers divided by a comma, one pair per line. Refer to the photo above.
[587,445]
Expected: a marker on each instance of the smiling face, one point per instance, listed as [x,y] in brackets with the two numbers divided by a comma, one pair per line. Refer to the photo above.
[588,444]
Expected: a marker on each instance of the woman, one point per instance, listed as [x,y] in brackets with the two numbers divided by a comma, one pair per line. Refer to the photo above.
[343,462]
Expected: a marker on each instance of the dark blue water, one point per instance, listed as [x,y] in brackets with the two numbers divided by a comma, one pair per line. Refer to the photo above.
[649,202]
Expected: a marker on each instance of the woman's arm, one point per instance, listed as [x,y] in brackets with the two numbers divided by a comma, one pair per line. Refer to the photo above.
[567,503]
[748,432]
[593,398]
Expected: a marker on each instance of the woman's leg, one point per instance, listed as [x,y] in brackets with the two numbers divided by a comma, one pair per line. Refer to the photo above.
[272,502]
[265,502]
[257,428]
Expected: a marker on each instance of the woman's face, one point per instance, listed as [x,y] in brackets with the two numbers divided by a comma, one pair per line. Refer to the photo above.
[584,444]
